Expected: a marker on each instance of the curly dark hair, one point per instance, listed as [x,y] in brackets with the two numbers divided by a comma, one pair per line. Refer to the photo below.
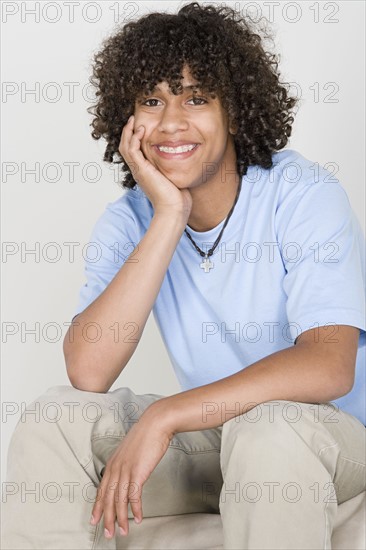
[225,55]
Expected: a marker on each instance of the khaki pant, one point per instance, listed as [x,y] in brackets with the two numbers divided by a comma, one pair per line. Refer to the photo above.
[275,474]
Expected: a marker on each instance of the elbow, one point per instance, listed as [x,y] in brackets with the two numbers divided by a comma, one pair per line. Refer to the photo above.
[75,382]
[81,376]
[347,374]
[71,370]
[84,380]
[343,387]
[74,373]
[346,388]
[89,369]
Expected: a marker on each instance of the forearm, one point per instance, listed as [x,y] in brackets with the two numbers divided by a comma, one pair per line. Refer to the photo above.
[299,374]
[121,310]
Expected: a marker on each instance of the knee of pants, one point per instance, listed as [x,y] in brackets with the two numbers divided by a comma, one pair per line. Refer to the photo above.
[81,415]
[272,428]
[59,405]
[76,413]
[66,404]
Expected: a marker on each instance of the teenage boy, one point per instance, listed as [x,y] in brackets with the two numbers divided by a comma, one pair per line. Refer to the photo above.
[253,269]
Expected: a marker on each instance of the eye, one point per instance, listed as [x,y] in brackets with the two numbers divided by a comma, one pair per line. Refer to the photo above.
[195,99]
[147,100]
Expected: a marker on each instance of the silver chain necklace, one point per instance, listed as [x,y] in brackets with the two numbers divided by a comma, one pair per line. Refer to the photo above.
[206,264]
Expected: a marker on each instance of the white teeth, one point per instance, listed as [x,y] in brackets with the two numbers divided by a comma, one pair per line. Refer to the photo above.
[180,149]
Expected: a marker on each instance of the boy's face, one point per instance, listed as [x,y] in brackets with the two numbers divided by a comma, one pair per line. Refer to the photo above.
[186,120]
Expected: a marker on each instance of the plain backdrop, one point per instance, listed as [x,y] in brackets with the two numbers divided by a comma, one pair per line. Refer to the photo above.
[48,49]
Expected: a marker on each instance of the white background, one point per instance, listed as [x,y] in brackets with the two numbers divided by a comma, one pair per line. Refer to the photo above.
[322,50]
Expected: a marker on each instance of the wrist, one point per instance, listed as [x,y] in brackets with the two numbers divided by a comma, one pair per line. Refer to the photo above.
[158,415]
[177,209]
[171,220]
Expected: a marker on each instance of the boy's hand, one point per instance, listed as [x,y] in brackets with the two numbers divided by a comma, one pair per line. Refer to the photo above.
[162,193]
[127,470]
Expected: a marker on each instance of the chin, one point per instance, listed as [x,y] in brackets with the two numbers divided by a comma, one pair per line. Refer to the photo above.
[183,183]
[179,181]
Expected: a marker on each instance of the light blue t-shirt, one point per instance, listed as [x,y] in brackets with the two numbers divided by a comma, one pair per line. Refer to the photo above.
[291,258]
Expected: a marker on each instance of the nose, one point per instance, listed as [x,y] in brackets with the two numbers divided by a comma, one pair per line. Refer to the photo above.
[173,118]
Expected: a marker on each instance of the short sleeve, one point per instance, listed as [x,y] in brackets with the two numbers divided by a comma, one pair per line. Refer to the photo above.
[112,240]
[323,252]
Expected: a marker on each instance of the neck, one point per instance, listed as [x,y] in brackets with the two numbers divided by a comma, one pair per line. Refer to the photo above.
[213,200]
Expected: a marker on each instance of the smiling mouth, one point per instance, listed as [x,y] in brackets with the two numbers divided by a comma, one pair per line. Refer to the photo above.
[179,149]
[182,151]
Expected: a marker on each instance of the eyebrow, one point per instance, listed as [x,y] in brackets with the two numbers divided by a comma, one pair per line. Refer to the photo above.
[190,87]
[157,88]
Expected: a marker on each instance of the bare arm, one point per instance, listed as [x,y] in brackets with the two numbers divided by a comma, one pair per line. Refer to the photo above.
[127,301]
[311,372]
[124,305]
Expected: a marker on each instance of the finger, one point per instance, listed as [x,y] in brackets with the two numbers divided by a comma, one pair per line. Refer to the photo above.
[138,162]
[121,503]
[135,499]
[135,139]
[130,148]
[109,508]
[126,134]
[129,492]
[135,151]
[97,510]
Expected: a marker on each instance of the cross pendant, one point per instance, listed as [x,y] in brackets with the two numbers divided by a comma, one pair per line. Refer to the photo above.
[206,264]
